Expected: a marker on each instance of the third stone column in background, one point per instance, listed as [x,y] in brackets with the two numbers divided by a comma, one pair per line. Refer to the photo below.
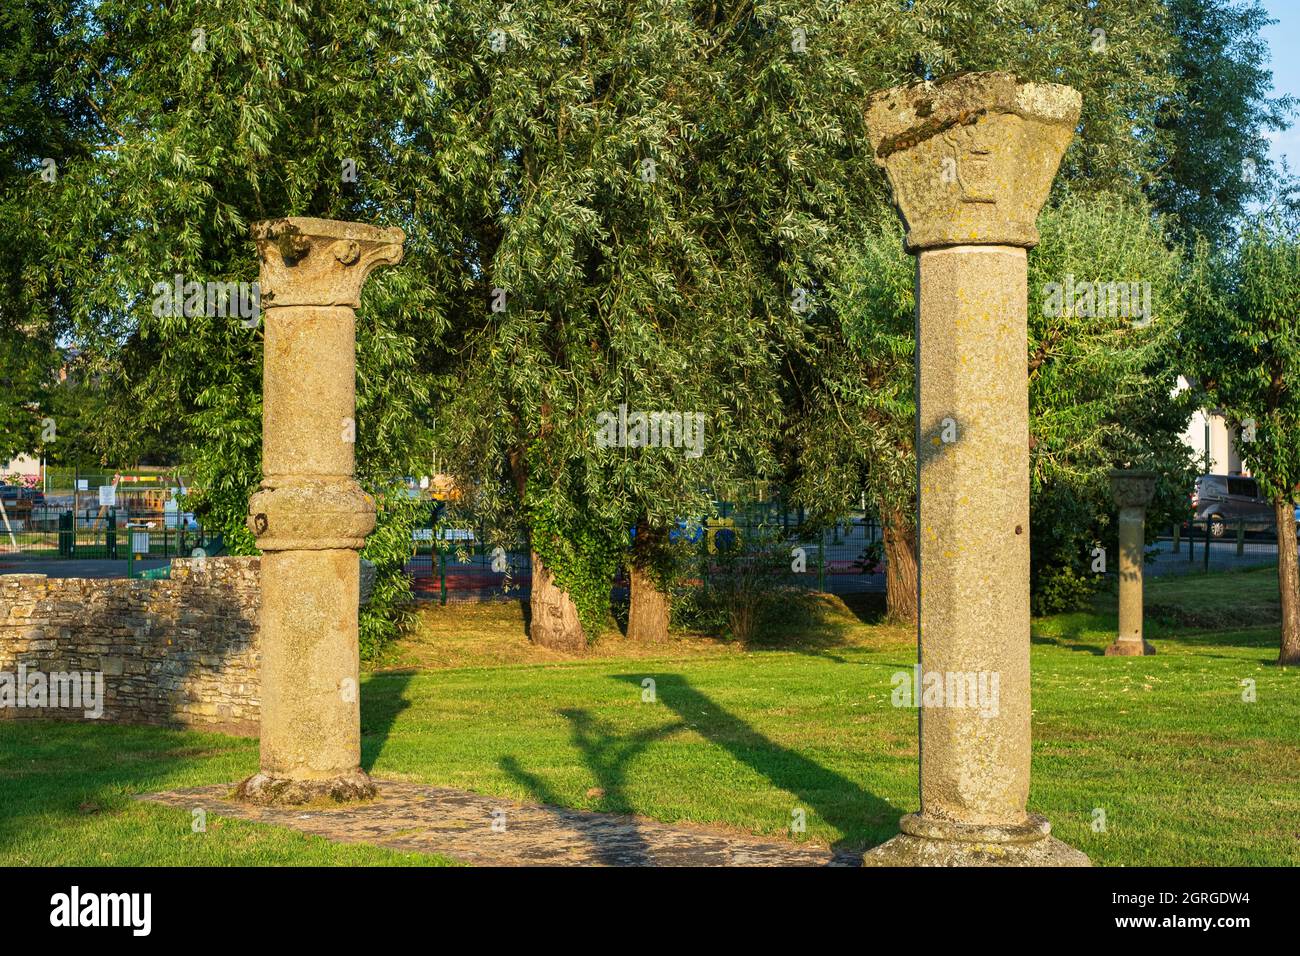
[1133,491]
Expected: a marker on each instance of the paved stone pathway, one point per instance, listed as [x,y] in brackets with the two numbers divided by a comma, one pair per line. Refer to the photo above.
[420,819]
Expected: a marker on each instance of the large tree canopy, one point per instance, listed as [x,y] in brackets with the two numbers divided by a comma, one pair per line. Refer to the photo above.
[1214,155]
[42,129]
[1243,344]
[661,205]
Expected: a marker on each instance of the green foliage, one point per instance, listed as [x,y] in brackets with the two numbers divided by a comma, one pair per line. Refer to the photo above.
[36,124]
[695,608]
[389,612]
[1215,125]
[1063,588]
[748,580]
[196,138]
[1100,385]
[521,166]
[1243,341]
[659,288]
[855,409]
[1124,73]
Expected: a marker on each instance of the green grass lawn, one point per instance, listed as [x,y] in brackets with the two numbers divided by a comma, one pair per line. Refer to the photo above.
[1185,771]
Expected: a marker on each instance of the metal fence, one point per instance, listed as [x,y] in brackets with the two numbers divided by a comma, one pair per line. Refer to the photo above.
[93,532]
[452,561]
[1186,550]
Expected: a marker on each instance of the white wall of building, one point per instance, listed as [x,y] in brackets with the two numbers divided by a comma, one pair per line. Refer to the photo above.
[1209,431]
[22,465]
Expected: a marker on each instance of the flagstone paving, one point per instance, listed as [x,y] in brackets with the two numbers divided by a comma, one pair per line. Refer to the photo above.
[489,831]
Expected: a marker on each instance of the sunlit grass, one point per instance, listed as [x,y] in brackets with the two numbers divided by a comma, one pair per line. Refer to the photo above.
[1183,768]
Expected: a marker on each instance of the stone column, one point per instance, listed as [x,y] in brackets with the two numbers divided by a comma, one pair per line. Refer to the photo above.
[1133,492]
[970,162]
[310,516]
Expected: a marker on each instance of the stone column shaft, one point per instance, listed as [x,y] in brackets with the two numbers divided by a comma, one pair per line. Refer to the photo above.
[310,516]
[974,531]
[310,378]
[1133,491]
[970,162]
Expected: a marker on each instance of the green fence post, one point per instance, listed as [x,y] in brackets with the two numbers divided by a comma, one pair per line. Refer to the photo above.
[704,559]
[1177,534]
[821,560]
[1241,537]
[442,575]
[110,534]
[1191,542]
[1207,547]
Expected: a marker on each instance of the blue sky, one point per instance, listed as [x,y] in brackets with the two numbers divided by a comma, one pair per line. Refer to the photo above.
[1284,53]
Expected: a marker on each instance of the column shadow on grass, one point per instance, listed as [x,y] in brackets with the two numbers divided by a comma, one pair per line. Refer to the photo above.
[383,698]
[832,797]
[607,756]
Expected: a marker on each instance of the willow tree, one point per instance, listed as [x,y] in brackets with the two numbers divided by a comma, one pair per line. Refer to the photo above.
[207,118]
[41,131]
[855,408]
[671,179]
[1243,342]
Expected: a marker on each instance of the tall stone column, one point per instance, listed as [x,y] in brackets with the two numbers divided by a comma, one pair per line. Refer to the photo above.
[310,517]
[970,162]
[1133,491]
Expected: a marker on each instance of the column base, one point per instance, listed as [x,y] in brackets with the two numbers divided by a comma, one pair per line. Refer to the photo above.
[938,843]
[1130,648]
[269,790]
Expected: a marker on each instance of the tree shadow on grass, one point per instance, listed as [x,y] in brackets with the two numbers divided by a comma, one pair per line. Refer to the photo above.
[834,798]
[1071,640]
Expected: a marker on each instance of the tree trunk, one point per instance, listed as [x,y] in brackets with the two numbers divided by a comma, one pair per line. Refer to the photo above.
[901,596]
[1288,581]
[554,616]
[649,611]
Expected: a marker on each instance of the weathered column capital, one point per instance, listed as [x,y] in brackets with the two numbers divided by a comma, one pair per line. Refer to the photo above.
[321,261]
[1131,488]
[971,159]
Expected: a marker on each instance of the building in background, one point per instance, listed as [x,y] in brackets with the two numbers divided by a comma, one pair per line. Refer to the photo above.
[1211,436]
[24,466]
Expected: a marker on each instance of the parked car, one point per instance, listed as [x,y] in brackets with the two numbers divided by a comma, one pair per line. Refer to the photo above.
[19,501]
[1227,501]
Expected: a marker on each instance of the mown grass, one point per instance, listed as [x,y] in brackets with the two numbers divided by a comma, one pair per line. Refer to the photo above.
[1184,769]
[66,799]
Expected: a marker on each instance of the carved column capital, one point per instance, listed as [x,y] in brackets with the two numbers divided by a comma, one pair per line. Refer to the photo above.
[970,160]
[321,262]
[1132,489]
